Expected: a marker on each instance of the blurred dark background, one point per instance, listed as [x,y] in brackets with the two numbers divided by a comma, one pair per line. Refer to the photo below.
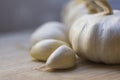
[28,14]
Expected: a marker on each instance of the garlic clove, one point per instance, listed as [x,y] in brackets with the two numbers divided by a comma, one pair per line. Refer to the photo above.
[62,58]
[49,30]
[43,49]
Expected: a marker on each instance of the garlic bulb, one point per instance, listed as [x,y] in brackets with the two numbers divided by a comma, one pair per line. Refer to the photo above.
[77,8]
[50,30]
[97,37]
[62,58]
[43,49]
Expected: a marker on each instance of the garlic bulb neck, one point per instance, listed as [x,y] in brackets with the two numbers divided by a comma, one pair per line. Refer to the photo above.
[90,5]
[105,6]
[101,5]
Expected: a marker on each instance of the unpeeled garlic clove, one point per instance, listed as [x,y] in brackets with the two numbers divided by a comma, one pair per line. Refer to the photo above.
[43,49]
[49,30]
[62,58]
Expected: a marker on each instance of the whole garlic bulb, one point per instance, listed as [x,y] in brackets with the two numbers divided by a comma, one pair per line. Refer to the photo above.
[77,8]
[43,49]
[50,30]
[62,58]
[97,37]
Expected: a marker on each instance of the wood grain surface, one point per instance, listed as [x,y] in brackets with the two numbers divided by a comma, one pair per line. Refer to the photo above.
[16,64]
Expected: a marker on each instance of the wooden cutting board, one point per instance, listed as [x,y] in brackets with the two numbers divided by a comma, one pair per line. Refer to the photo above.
[16,64]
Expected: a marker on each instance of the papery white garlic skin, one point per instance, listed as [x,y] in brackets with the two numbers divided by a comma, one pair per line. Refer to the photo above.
[97,37]
[72,11]
[43,49]
[49,30]
[62,58]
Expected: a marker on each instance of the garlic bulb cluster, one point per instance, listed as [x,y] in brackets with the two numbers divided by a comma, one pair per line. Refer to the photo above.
[98,39]
[94,34]
[76,9]
[50,43]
